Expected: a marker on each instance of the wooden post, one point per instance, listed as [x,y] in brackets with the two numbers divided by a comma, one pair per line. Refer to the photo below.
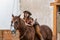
[54,21]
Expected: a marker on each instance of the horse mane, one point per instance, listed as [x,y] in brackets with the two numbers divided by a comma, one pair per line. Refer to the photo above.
[22,26]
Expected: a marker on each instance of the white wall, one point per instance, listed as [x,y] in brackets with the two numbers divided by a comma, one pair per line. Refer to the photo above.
[6,8]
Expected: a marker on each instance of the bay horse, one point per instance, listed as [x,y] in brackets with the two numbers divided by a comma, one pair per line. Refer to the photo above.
[29,33]
[26,33]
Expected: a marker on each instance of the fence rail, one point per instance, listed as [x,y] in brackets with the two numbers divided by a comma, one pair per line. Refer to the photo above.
[6,35]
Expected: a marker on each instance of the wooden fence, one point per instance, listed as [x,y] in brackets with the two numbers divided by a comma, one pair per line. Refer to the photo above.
[7,35]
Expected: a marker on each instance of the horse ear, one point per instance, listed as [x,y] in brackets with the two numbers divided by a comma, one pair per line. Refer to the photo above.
[12,15]
[19,15]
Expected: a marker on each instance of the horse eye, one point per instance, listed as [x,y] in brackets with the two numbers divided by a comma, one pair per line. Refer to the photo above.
[16,22]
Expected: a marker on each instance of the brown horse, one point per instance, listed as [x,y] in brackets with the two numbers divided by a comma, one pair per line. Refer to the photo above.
[26,33]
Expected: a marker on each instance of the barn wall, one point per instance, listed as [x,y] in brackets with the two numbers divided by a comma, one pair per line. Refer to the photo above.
[40,9]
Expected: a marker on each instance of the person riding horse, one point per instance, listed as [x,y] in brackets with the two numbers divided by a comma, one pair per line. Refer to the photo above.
[30,22]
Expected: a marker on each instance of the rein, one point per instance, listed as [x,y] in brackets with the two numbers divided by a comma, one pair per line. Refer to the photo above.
[23,34]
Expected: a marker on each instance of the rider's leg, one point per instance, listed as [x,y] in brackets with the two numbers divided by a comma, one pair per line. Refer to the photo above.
[38,32]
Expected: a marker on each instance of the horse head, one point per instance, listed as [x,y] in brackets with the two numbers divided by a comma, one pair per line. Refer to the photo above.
[15,21]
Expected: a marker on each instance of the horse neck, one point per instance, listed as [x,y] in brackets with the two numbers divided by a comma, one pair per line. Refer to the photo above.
[22,26]
[23,23]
